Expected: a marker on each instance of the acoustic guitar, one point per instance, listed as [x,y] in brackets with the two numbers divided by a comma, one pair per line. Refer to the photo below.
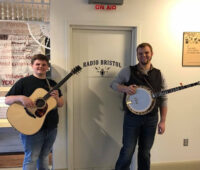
[30,120]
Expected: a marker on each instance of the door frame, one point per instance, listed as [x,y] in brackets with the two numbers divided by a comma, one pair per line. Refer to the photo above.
[70,98]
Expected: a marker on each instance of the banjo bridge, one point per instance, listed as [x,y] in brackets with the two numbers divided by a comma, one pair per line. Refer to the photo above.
[133,101]
[128,102]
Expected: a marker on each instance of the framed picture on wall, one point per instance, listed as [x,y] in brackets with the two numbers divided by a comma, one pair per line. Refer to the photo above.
[191,49]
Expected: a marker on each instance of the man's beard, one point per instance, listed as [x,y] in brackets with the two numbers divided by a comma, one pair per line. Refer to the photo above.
[147,61]
[144,63]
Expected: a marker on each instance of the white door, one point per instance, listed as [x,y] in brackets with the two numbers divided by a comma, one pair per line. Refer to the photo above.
[97,109]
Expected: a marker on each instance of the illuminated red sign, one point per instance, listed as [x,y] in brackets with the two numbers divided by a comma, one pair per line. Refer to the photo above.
[105,7]
[108,2]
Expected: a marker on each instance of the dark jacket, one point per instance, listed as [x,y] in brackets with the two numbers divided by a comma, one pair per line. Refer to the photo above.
[152,80]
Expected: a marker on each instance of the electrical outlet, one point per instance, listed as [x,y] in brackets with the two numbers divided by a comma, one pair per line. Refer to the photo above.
[185,142]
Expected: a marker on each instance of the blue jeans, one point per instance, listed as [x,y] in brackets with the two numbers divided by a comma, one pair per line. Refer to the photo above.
[37,148]
[139,129]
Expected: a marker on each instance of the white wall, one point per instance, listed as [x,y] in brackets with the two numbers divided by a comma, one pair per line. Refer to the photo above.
[160,23]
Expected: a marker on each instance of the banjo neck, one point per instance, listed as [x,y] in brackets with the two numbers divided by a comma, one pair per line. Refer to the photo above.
[144,100]
[158,94]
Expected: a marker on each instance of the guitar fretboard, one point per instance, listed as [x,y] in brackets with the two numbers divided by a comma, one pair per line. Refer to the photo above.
[158,94]
[57,86]
[74,71]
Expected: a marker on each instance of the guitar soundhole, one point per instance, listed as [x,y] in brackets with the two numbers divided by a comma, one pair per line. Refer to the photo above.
[41,112]
[40,103]
[41,107]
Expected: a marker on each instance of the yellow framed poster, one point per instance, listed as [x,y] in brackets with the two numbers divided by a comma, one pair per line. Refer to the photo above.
[191,49]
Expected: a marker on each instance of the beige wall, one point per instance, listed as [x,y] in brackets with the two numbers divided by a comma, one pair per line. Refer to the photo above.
[161,23]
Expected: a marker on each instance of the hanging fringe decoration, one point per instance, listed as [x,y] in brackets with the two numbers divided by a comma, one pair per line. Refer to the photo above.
[25,10]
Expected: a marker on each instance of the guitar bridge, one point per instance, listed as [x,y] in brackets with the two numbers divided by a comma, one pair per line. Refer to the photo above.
[29,113]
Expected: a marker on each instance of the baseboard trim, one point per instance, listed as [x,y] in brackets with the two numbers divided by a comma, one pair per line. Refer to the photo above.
[14,160]
[186,165]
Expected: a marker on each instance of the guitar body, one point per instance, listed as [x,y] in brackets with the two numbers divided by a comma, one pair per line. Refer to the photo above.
[25,120]
[30,120]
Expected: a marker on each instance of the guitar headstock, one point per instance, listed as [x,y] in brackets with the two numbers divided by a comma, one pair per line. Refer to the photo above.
[76,69]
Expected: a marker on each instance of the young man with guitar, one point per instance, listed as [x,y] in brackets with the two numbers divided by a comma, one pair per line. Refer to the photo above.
[37,145]
[140,121]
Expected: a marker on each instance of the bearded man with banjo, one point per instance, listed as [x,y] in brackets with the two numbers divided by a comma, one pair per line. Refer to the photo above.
[138,83]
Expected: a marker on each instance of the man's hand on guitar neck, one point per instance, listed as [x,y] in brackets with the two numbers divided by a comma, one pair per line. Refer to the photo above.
[60,101]
[55,94]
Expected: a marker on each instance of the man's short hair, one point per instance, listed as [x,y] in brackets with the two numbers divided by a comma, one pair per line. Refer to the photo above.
[142,45]
[40,57]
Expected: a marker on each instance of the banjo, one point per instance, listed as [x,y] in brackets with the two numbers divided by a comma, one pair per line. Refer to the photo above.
[144,100]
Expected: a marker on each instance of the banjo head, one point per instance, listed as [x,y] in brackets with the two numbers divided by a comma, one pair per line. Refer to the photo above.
[141,102]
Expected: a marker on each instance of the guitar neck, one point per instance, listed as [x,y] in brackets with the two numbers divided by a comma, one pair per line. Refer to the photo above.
[158,94]
[57,86]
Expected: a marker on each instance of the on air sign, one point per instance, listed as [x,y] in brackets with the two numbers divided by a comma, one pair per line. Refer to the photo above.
[105,7]
[108,2]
